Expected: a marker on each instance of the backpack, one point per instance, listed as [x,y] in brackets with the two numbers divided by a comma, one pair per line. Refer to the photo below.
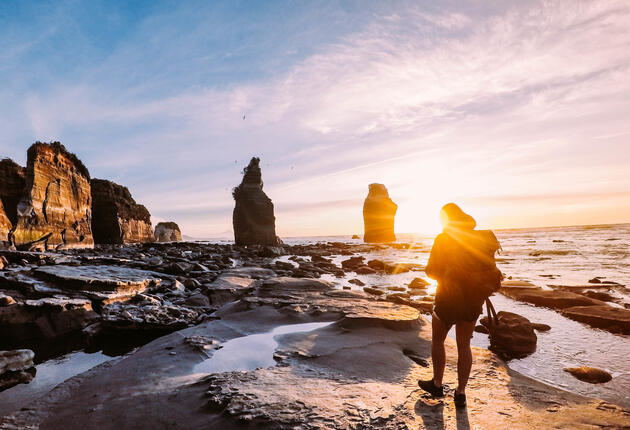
[485,277]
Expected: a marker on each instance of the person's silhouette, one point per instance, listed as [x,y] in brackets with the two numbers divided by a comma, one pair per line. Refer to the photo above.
[462,261]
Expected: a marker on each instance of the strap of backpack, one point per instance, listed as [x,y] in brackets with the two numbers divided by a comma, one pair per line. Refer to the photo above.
[492,313]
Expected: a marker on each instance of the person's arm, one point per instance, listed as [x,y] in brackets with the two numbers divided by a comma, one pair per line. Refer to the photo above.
[436,266]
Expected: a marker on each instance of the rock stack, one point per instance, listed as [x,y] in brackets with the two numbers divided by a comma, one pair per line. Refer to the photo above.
[55,204]
[168,232]
[378,215]
[253,217]
[117,218]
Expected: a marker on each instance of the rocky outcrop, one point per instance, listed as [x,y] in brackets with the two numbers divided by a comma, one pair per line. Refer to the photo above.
[56,201]
[168,232]
[16,367]
[117,218]
[378,215]
[606,317]
[253,217]
[12,182]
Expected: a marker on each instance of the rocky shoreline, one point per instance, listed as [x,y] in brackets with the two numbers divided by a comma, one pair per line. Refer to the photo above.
[359,372]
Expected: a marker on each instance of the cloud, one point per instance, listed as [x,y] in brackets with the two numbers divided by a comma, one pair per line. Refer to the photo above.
[441,103]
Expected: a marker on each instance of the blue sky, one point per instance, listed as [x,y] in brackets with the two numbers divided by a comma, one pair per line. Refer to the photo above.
[517,111]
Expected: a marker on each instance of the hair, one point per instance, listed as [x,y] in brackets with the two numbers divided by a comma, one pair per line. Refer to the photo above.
[453,216]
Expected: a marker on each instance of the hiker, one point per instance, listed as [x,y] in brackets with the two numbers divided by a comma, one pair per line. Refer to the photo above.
[462,261]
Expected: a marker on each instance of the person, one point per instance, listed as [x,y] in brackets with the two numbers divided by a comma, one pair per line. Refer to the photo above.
[462,261]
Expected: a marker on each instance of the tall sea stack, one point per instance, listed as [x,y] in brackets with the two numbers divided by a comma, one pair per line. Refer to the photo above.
[253,218]
[56,201]
[118,219]
[378,215]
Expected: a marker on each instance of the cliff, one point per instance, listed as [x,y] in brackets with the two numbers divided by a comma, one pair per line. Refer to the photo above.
[168,232]
[253,218]
[117,218]
[12,184]
[378,215]
[55,198]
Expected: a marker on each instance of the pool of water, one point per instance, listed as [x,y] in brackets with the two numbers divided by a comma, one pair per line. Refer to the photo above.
[253,351]
[49,374]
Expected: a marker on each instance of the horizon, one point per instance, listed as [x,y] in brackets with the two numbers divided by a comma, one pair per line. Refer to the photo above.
[517,112]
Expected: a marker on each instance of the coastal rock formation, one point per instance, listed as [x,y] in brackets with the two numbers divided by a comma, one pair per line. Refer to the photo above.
[12,182]
[612,319]
[16,367]
[378,215]
[56,199]
[117,218]
[34,322]
[168,232]
[5,225]
[253,217]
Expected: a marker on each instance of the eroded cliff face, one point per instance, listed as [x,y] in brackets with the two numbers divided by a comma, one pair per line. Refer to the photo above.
[56,199]
[5,224]
[168,232]
[378,215]
[253,218]
[117,218]
[12,184]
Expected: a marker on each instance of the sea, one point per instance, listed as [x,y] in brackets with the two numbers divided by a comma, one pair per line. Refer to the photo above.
[545,257]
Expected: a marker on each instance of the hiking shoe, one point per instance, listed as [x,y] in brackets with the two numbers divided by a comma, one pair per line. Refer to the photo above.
[459,399]
[430,388]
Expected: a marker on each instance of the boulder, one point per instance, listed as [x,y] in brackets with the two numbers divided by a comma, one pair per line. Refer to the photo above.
[168,232]
[606,317]
[20,359]
[56,199]
[378,215]
[512,337]
[117,218]
[16,367]
[253,217]
[589,374]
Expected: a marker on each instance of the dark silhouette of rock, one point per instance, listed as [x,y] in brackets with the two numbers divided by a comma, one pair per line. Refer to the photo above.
[253,218]
[589,374]
[378,215]
[55,200]
[117,218]
[168,232]
[512,337]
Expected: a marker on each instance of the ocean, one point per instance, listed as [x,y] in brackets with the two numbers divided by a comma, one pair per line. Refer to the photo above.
[546,257]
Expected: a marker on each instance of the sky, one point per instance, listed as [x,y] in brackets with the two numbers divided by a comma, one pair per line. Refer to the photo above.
[517,111]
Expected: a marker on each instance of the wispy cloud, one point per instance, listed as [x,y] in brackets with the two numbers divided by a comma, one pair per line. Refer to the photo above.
[451,103]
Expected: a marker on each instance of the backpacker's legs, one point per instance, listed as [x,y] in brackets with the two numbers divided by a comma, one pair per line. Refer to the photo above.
[438,354]
[463,333]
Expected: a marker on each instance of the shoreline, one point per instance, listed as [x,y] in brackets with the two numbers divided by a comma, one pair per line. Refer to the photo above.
[164,391]
[212,280]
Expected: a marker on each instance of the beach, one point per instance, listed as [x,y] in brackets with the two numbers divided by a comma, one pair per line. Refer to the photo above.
[358,370]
